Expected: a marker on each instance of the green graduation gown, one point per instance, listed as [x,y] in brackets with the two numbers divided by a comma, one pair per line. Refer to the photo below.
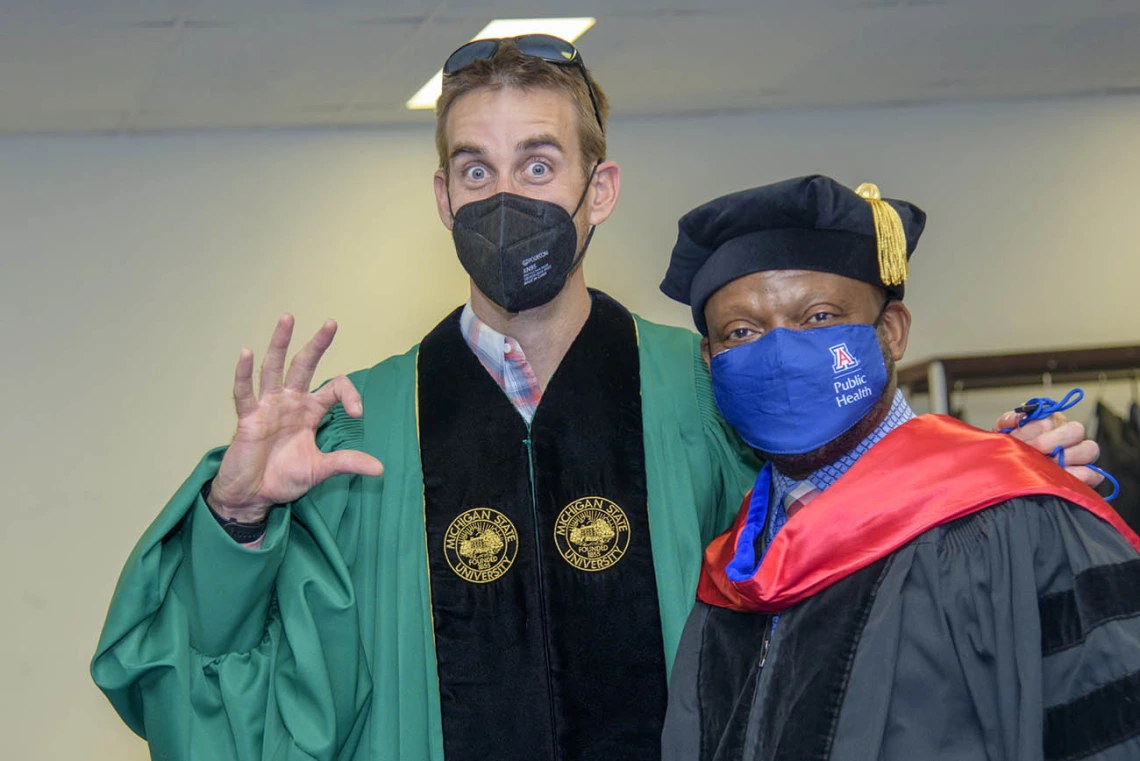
[322,644]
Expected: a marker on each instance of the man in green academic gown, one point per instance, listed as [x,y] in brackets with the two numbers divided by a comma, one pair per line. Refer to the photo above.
[895,587]
[512,582]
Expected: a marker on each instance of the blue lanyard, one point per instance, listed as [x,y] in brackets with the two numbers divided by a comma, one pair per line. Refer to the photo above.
[1040,408]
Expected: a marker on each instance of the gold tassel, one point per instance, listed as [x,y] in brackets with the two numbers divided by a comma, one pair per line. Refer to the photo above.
[891,236]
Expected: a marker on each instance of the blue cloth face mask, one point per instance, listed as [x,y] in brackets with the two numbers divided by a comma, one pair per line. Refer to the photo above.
[792,391]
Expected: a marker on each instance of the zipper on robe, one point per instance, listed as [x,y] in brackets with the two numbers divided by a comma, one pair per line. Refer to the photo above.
[541,589]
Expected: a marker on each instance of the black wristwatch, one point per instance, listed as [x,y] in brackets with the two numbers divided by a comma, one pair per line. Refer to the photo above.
[242,533]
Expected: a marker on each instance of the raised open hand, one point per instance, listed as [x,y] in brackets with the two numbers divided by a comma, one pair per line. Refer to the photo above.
[274,458]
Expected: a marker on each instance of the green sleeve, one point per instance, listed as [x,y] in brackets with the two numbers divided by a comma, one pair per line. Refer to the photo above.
[734,463]
[697,471]
[211,650]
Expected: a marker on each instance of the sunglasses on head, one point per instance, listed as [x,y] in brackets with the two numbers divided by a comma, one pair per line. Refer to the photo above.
[544,46]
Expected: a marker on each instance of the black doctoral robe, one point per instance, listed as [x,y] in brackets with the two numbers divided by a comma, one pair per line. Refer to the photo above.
[1012,633]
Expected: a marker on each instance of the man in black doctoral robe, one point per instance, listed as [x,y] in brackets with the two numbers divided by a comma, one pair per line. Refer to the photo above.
[918,589]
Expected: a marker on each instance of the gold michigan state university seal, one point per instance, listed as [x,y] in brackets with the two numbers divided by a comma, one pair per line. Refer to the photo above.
[592,533]
[480,545]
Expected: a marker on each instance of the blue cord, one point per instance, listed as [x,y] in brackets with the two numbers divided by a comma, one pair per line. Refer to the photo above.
[1040,408]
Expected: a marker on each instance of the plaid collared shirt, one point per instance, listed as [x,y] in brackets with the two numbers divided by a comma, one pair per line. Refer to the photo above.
[786,489]
[782,485]
[503,358]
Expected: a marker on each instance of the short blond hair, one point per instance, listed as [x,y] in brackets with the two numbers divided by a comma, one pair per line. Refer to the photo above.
[511,68]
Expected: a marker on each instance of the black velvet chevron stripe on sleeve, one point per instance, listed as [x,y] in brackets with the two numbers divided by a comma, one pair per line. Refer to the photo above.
[1091,723]
[1099,595]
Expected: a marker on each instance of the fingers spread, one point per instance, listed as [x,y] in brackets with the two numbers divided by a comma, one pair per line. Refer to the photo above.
[347,461]
[340,389]
[304,364]
[244,400]
[273,365]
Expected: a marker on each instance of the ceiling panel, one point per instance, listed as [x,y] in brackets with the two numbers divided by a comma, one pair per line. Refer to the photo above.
[406,66]
[19,14]
[1105,48]
[280,64]
[695,63]
[76,69]
[923,55]
[35,119]
[197,64]
[338,11]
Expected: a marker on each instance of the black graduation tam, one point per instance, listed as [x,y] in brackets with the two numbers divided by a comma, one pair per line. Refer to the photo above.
[809,223]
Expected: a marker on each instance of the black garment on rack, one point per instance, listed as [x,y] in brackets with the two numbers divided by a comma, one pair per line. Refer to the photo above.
[1119,442]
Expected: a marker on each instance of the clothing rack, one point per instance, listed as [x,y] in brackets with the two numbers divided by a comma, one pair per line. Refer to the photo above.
[938,377]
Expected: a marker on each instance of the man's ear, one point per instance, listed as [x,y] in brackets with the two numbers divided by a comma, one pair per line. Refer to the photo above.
[896,323]
[603,198]
[442,201]
[705,353]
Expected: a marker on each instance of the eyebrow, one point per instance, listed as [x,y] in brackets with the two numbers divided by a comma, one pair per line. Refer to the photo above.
[465,149]
[540,141]
[529,144]
[814,297]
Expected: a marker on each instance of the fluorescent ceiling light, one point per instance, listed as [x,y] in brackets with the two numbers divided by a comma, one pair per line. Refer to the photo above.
[568,29]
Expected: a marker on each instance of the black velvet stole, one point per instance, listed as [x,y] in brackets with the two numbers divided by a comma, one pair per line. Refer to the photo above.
[544,599]
[797,717]
[732,651]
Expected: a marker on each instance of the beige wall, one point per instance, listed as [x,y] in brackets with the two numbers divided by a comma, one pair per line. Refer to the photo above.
[134,268]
